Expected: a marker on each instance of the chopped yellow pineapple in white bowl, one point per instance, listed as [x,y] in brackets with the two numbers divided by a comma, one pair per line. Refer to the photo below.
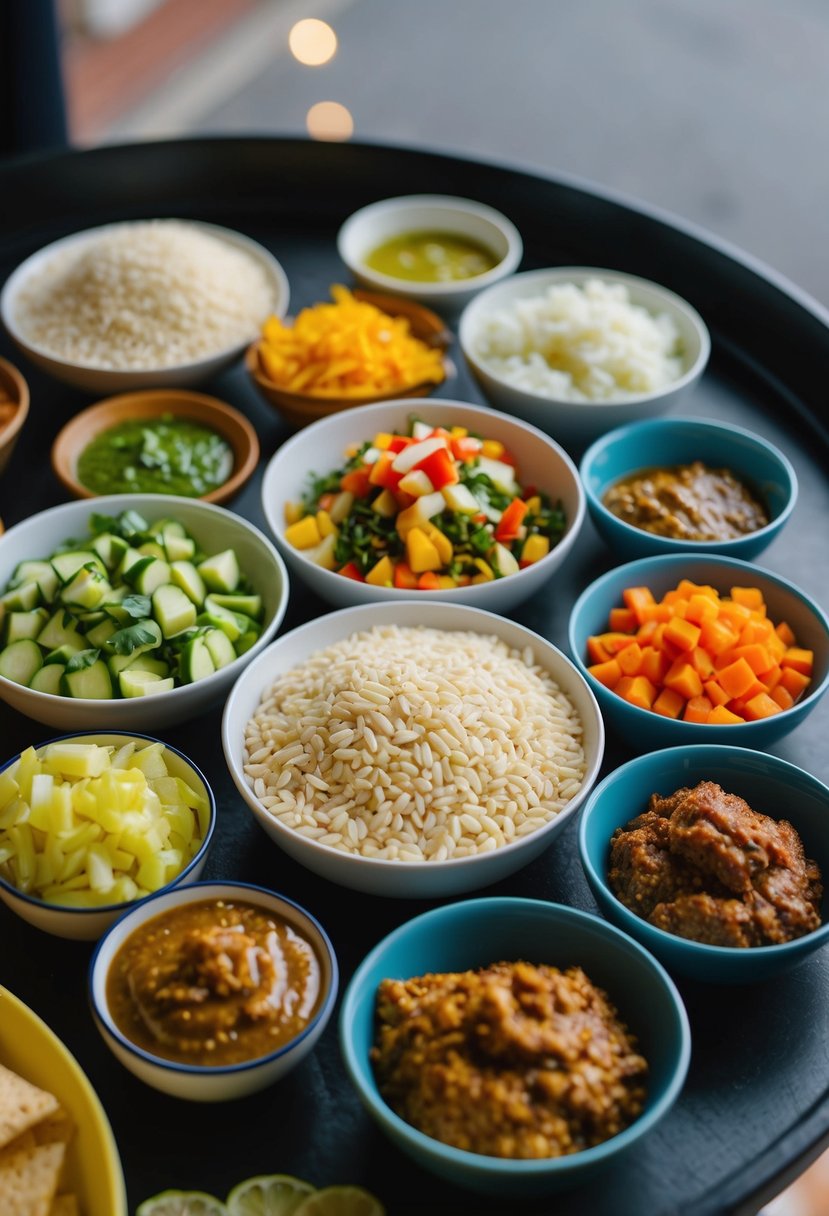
[93,823]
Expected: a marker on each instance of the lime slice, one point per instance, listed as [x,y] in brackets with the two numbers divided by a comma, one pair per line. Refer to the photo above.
[341,1201]
[182,1203]
[268,1195]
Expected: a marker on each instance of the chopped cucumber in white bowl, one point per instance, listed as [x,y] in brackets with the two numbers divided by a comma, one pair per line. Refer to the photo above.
[146,602]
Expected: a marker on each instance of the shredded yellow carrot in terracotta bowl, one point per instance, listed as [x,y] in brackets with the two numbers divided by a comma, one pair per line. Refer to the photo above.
[357,349]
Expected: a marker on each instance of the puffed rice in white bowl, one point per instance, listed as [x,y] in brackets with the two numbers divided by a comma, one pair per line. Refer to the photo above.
[439,785]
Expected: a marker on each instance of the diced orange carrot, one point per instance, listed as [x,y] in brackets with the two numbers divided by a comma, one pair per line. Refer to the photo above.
[697,709]
[404,577]
[636,598]
[702,663]
[737,678]
[428,581]
[629,659]
[794,681]
[686,588]
[622,620]
[655,665]
[641,693]
[756,655]
[683,679]
[777,647]
[645,632]
[656,612]
[700,608]
[682,633]
[799,659]
[761,706]
[783,698]
[749,597]
[755,631]
[716,636]
[669,703]
[624,686]
[608,673]
[784,632]
[733,615]
[720,716]
[596,651]
[356,482]
[770,678]
[614,642]
[715,693]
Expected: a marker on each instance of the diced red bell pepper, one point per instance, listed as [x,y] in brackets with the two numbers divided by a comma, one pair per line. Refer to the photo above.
[466,448]
[404,577]
[507,457]
[440,468]
[510,521]
[428,581]
[357,482]
[399,442]
[382,473]
[351,571]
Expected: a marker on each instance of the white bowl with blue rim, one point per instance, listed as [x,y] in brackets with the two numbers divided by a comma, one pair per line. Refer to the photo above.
[199,1082]
[87,924]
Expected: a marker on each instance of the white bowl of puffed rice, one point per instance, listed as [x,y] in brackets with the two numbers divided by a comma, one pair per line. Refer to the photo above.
[142,303]
[412,749]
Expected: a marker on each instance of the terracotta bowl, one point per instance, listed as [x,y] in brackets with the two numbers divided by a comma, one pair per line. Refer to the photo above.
[180,403]
[15,391]
[302,408]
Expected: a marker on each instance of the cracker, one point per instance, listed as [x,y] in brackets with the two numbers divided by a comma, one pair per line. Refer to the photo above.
[21,1105]
[29,1180]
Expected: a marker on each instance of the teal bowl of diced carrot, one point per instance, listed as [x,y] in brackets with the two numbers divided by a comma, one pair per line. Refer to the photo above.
[437,498]
[679,649]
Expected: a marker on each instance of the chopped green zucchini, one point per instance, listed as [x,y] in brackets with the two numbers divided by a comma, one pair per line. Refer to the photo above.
[143,683]
[173,610]
[48,679]
[221,571]
[20,661]
[89,683]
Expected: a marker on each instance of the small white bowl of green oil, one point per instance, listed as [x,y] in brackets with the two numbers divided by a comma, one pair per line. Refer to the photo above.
[433,248]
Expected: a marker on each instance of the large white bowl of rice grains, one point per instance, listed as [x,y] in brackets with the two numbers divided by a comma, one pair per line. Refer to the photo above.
[412,749]
[148,302]
[578,350]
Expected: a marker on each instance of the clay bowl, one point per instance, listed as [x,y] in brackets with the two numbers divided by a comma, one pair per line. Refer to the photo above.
[15,391]
[154,403]
[302,408]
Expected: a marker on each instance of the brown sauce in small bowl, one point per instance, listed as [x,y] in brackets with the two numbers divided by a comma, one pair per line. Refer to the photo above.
[687,502]
[214,983]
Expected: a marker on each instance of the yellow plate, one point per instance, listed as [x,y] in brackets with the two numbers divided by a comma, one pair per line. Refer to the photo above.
[30,1048]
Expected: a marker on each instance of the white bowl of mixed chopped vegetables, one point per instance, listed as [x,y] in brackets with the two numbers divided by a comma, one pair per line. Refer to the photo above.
[137,610]
[439,499]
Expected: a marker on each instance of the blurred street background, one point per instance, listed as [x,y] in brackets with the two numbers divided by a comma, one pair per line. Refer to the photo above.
[716,111]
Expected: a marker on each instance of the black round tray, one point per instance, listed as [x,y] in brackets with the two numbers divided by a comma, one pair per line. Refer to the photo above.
[756,1103]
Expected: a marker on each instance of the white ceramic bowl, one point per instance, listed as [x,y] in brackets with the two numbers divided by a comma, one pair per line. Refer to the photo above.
[108,380]
[576,423]
[215,529]
[419,880]
[87,924]
[321,447]
[201,1083]
[371,226]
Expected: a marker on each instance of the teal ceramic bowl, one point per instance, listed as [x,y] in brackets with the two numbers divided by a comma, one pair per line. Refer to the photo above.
[667,442]
[769,785]
[479,932]
[643,729]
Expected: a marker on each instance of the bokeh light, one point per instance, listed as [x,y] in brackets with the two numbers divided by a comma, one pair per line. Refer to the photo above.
[312,42]
[329,120]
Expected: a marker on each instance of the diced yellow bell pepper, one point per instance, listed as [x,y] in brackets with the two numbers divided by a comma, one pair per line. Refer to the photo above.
[533,505]
[441,542]
[535,548]
[421,554]
[382,574]
[459,432]
[382,440]
[492,448]
[486,575]
[385,505]
[326,525]
[447,582]
[304,534]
